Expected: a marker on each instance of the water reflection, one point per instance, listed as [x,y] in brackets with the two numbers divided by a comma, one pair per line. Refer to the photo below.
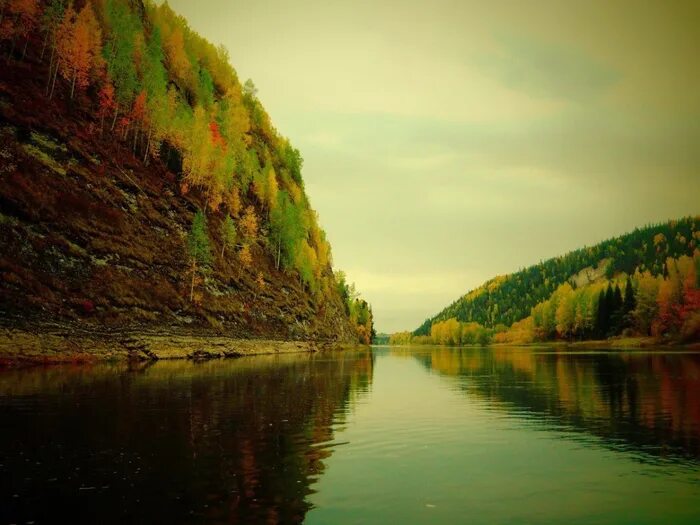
[224,442]
[644,402]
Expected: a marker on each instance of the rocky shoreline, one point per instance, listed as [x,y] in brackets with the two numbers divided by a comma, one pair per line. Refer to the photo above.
[45,346]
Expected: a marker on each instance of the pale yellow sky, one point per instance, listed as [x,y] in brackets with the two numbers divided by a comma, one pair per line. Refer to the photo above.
[449,141]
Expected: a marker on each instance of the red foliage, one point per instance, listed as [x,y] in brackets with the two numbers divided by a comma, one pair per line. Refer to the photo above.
[21,18]
[138,111]
[106,99]
[216,136]
[88,306]
[691,297]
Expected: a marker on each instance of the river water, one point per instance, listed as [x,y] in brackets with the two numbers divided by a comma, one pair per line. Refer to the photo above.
[387,435]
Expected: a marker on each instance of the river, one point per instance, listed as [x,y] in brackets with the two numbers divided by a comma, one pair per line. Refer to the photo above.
[387,435]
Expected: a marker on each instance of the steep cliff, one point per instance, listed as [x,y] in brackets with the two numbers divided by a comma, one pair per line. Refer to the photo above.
[94,220]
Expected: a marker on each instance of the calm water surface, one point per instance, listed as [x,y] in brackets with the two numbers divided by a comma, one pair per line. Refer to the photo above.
[391,435]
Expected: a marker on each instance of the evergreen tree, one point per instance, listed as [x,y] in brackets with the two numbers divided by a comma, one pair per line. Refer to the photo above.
[616,312]
[228,234]
[609,308]
[629,304]
[601,323]
[198,247]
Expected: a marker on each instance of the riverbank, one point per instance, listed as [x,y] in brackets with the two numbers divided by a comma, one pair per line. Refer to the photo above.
[617,343]
[620,343]
[44,346]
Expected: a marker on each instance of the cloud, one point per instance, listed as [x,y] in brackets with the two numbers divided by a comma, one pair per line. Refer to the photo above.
[548,69]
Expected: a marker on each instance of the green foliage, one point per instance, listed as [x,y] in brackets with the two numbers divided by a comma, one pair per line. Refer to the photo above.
[179,99]
[206,88]
[287,229]
[124,26]
[198,246]
[507,299]
[293,161]
[228,234]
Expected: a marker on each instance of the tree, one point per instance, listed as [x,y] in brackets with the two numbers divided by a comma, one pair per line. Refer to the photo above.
[25,17]
[50,20]
[249,224]
[107,103]
[629,303]
[155,81]
[198,247]
[179,62]
[228,234]
[647,306]
[566,311]
[245,256]
[272,189]
[199,150]
[249,89]
[602,315]
[286,230]
[123,27]
[617,311]
[79,44]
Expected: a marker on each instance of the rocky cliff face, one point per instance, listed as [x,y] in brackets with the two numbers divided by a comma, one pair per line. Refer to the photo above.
[90,235]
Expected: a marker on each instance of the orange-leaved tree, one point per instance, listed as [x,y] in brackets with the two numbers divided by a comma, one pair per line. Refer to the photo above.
[79,44]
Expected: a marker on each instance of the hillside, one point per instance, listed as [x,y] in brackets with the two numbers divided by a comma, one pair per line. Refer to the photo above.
[652,252]
[142,185]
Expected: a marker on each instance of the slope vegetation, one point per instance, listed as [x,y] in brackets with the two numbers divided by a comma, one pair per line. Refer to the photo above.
[141,184]
[662,252]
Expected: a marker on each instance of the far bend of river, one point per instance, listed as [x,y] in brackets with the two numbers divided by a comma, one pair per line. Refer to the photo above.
[381,436]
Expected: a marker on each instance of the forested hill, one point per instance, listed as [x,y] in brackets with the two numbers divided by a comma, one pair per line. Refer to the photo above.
[141,183]
[506,299]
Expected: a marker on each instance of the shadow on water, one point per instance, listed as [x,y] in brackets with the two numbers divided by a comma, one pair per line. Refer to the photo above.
[643,402]
[224,442]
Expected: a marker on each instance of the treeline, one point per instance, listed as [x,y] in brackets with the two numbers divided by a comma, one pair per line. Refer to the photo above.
[448,332]
[664,306]
[157,86]
[641,304]
[507,299]
[358,310]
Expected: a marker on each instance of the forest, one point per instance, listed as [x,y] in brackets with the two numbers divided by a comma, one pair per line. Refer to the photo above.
[150,82]
[644,283]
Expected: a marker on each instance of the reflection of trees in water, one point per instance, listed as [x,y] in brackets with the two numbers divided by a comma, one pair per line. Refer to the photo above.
[647,401]
[229,442]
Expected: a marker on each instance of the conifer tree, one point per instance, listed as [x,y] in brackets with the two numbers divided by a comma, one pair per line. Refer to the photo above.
[228,234]
[616,311]
[198,247]
[629,303]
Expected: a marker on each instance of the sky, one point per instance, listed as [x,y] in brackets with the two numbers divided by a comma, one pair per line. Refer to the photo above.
[446,141]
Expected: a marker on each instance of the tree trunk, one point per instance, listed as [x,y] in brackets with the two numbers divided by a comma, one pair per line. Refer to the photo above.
[114,120]
[12,49]
[72,86]
[53,53]
[55,73]
[279,252]
[43,47]
[194,270]
[24,51]
[148,147]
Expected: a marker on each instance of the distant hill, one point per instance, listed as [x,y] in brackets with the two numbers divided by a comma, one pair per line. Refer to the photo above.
[506,299]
